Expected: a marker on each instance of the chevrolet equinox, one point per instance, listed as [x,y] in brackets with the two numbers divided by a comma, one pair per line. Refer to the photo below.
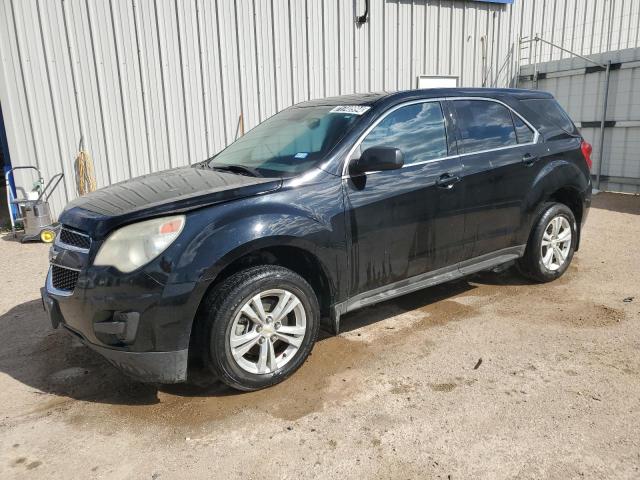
[326,207]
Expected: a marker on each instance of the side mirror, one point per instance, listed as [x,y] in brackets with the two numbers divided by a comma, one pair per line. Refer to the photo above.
[378,158]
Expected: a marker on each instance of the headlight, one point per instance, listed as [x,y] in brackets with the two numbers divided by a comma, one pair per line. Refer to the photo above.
[137,244]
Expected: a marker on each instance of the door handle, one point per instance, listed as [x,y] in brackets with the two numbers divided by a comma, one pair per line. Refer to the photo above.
[447,180]
[529,159]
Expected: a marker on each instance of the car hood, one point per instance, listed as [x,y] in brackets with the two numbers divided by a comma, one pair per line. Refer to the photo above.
[161,193]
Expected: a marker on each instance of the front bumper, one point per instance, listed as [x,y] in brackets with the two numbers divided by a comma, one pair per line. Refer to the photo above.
[143,329]
[160,367]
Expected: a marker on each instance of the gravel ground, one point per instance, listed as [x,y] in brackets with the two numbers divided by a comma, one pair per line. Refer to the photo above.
[489,377]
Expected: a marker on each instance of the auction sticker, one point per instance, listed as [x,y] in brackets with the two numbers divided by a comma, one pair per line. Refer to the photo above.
[352,109]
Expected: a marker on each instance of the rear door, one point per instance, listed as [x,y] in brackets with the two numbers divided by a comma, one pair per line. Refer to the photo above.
[500,154]
[407,221]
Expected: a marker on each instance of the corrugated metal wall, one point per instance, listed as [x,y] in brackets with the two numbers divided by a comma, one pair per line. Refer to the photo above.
[581,94]
[163,83]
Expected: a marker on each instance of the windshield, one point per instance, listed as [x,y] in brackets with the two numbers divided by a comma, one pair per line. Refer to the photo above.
[290,142]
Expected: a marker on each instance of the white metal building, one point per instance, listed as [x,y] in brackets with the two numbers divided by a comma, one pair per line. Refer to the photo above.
[154,84]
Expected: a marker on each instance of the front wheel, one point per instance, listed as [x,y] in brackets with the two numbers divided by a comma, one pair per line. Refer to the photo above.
[261,326]
[551,244]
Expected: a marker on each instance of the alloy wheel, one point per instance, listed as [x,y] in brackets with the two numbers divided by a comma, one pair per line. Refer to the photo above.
[556,243]
[268,331]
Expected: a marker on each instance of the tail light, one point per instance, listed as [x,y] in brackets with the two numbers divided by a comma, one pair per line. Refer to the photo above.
[586,153]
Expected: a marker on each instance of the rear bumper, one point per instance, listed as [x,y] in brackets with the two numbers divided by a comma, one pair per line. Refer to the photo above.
[586,205]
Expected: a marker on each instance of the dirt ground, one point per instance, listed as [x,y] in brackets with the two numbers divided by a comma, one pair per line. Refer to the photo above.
[489,377]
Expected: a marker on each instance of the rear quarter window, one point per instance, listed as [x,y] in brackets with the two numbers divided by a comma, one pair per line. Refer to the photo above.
[523,132]
[552,115]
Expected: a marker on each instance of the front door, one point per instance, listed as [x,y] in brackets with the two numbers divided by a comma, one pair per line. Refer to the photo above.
[407,221]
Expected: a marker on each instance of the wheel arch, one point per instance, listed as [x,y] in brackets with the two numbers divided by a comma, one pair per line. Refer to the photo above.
[573,199]
[287,252]
[560,181]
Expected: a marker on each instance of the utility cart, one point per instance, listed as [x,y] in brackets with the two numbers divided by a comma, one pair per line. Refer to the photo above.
[33,209]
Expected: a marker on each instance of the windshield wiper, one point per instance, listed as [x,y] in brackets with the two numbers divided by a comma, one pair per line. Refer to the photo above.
[240,169]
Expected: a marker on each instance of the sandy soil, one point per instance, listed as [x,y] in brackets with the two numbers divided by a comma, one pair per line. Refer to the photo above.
[490,377]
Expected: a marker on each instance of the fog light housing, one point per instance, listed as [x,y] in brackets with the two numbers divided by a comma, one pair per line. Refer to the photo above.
[122,328]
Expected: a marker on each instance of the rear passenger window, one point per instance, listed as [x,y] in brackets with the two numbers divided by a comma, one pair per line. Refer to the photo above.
[484,125]
[523,132]
[418,130]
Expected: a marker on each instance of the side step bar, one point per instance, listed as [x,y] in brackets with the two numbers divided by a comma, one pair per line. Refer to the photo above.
[484,262]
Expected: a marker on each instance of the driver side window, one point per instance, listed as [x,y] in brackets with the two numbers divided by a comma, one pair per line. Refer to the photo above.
[418,130]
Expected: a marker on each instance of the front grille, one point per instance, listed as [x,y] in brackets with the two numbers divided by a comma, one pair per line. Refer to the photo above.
[63,278]
[75,239]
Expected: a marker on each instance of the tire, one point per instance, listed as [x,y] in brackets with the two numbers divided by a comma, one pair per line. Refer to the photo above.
[543,263]
[225,319]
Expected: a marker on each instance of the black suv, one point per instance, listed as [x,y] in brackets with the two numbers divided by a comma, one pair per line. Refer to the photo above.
[326,207]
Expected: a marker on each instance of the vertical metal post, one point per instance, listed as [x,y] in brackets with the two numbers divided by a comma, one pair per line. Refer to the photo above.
[534,80]
[519,61]
[602,121]
[540,59]
[483,44]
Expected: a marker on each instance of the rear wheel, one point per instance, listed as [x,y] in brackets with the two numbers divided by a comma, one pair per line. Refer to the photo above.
[551,244]
[261,325]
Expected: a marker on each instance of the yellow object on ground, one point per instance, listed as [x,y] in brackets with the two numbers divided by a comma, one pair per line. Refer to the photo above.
[47,236]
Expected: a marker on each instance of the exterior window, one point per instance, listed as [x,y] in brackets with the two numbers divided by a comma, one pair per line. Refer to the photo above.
[523,132]
[292,141]
[418,130]
[484,125]
[552,115]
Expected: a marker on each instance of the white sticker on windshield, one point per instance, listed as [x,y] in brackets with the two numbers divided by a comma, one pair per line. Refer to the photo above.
[352,109]
[301,155]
